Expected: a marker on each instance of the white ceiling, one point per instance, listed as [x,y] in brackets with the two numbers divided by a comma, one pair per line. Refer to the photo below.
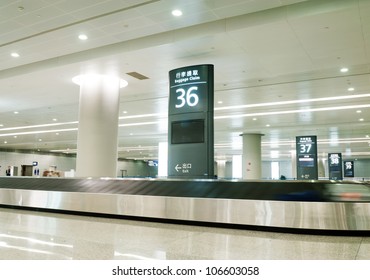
[277,61]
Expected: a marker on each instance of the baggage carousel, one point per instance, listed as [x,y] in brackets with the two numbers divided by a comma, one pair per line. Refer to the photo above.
[287,205]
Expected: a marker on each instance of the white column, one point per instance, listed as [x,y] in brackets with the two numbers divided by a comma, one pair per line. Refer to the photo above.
[294,163]
[322,168]
[162,159]
[221,168]
[98,126]
[252,163]
[237,172]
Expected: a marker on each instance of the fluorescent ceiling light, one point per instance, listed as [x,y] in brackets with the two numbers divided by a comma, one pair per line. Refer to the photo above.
[294,111]
[143,116]
[279,103]
[14,54]
[344,70]
[37,126]
[38,132]
[177,13]
[83,37]
[136,124]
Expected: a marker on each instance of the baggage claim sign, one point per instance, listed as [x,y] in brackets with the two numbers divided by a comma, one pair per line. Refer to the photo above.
[190,122]
[306,147]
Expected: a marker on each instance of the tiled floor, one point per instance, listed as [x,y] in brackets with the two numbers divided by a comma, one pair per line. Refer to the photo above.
[37,235]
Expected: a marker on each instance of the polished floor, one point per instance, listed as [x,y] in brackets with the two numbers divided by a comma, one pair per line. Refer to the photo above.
[34,235]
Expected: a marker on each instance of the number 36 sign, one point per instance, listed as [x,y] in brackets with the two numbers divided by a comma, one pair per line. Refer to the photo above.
[189,88]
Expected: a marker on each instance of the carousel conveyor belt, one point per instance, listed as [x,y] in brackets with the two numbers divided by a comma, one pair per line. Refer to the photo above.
[318,205]
[261,190]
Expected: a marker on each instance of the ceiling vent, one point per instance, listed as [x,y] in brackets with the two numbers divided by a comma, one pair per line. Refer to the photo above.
[137,75]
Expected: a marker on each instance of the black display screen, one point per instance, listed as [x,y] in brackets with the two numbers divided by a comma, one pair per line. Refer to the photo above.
[189,131]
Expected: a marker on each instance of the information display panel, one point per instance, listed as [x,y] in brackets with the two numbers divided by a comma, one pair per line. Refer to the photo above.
[190,122]
[306,147]
[188,131]
[349,168]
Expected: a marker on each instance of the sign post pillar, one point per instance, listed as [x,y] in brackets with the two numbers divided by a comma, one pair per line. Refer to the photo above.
[349,168]
[190,122]
[335,166]
[306,147]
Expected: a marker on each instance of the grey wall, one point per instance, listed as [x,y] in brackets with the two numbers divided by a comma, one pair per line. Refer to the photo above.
[362,169]
[134,168]
[285,168]
[62,163]
[139,168]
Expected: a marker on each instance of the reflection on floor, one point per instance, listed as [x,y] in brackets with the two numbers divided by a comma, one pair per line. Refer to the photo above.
[37,235]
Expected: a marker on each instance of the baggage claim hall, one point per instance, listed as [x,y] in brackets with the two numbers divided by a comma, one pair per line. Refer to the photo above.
[185,130]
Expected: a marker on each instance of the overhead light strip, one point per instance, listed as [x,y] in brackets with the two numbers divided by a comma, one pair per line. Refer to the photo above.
[293,102]
[294,111]
[38,132]
[137,124]
[292,143]
[142,116]
[37,126]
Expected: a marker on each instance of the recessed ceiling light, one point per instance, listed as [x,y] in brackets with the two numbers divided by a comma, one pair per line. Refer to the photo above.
[83,37]
[361,120]
[267,125]
[5,142]
[351,89]
[40,140]
[177,13]
[14,54]
[220,102]
[254,119]
[16,112]
[55,119]
[344,70]
[358,111]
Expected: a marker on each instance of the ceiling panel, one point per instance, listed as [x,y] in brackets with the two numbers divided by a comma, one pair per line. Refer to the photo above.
[40,16]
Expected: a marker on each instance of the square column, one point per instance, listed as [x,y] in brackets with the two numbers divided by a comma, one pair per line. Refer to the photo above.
[251,162]
[98,126]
